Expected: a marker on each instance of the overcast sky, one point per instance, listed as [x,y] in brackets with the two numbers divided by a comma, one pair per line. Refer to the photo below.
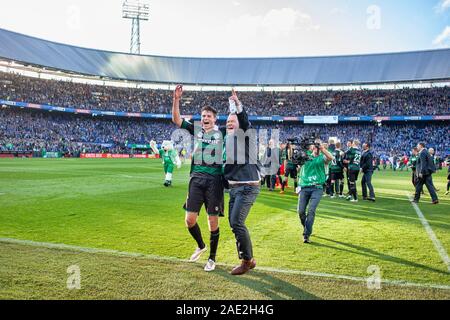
[239,27]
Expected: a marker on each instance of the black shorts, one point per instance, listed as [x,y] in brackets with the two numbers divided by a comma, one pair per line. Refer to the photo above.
[290,172]
[448,177]
[336,176]
[353,175]
[207,191]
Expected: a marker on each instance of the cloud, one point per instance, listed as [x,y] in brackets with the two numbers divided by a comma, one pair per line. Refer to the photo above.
[443,39]
[274,23]
[442,6]
[236,3]
[337,11]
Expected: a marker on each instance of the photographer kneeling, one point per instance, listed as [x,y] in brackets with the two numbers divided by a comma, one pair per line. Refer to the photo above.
[312,179]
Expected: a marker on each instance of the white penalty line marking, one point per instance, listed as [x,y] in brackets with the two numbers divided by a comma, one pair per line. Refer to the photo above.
[173,259]
[437,244]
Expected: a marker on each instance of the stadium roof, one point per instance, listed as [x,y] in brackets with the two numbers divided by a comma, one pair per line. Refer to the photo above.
[432,65]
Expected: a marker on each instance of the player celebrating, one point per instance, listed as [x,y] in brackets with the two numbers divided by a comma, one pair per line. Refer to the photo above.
[206,181]
[290,169]
[170,159]
[352,159]
[337,172]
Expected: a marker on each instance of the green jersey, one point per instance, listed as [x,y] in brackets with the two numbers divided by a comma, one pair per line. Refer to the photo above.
[412,162]
[288,158]
[337,165]
[205,160]
[312,172]
[354,156]
[169,157]
[283,155]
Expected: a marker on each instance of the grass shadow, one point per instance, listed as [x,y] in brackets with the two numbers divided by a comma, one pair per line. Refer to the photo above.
[270,286]
[360,250]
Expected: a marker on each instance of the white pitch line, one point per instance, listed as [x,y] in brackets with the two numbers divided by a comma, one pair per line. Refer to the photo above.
[437,244]
[173,259]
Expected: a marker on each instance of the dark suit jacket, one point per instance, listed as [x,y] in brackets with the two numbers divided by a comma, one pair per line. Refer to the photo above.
[425,164]
[367,161]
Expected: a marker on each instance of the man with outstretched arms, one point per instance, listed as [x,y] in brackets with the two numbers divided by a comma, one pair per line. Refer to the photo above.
[206,177]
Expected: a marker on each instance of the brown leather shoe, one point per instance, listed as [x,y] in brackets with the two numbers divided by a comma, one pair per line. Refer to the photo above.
[244,267]
[435,202]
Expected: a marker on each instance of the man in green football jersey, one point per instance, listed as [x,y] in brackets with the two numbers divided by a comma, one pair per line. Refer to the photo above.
[412,164]
[337,172]
[290,169]
[206,185]
[170,159]
[282,159]
[312,179]
[352,159]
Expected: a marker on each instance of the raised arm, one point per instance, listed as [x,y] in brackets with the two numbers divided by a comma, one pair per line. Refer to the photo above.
[329,157]
[244,124]
[176,116]
[153,147]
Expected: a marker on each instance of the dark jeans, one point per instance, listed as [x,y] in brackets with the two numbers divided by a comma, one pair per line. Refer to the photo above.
[366,182]
[270,181]
[241,200]
[428,181]
[308,196]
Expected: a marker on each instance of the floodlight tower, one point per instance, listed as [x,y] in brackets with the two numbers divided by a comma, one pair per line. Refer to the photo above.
[136,11]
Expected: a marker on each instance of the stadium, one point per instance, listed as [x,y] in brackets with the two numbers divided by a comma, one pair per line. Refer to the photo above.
[81,187]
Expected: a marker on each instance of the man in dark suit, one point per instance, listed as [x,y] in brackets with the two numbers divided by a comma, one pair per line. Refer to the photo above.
[424,169]
[367,170]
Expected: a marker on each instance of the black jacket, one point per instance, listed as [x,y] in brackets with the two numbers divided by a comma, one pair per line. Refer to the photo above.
[425,164]
[367,161]
[242,164]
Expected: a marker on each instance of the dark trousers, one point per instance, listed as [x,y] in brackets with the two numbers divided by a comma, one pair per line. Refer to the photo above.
[366,182]
[352,178]
[309,197]
[270,181]
[241,200]
[414,178]
[428,181]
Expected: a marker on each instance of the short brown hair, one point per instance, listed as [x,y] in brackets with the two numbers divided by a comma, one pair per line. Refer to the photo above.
[210,109]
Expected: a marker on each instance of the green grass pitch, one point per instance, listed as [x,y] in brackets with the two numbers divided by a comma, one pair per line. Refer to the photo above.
[122,205]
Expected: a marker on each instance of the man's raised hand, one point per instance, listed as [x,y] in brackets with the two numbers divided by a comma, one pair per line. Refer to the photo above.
[235,98]
[178,92]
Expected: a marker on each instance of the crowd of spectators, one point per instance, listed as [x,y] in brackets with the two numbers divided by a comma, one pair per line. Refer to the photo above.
[426,101]
[50,131]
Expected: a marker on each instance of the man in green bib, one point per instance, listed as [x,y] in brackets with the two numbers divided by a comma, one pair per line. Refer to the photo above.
[312,179]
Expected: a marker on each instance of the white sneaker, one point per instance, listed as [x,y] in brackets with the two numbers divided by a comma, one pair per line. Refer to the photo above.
[349,198]
[341,196]
[197,253]
[354,200]
[333,197]
[210,265]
